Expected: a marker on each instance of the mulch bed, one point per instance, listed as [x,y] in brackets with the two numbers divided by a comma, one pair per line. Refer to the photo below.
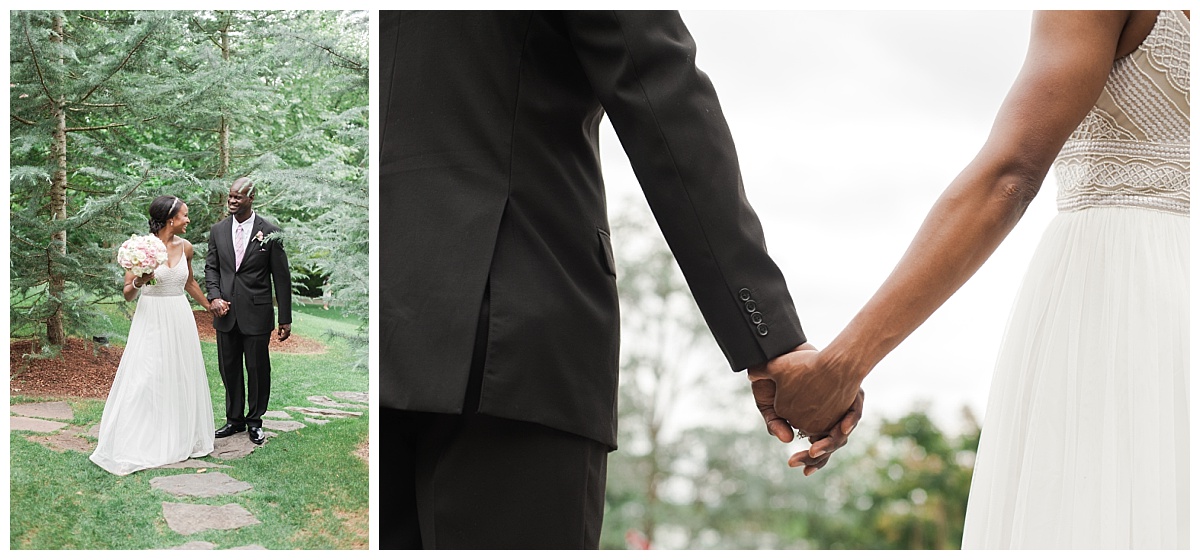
[86,369]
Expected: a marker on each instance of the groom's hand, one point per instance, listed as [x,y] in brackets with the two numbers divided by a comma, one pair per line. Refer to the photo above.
[762,386]
[284,332]
[812,393]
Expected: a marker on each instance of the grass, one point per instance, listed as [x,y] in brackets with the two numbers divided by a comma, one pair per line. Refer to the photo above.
[310,490]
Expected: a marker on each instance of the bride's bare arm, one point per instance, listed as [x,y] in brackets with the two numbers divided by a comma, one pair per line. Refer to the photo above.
[192,287]
[133,283]
[1068,61]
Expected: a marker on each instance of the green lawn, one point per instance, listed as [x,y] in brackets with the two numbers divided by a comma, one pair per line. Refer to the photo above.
[310,490]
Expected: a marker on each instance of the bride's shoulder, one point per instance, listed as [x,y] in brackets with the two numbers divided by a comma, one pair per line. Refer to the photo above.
[187,246]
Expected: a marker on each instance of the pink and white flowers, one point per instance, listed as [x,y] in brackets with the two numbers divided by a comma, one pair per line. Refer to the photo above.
[142,254]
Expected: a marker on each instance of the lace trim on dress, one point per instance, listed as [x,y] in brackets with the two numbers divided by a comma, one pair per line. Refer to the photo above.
[1132,149]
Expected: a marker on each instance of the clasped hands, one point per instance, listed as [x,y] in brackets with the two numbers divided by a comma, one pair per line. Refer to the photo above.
[218,307]
[801,390]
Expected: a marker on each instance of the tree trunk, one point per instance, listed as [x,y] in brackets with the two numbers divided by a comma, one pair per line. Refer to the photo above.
[223,141]
[55,332]
[649,523]
[223,126]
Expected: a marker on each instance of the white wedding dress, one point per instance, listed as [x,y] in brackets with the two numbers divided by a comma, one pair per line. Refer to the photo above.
[159,410]
[1085,437]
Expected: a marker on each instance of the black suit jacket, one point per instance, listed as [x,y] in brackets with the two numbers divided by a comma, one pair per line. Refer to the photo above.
[248,289]
[490,177]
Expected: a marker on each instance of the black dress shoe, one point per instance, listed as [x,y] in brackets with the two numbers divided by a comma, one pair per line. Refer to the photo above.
[230,429]
[256,435]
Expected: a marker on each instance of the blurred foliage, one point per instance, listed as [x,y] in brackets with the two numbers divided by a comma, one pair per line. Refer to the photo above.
[725,483]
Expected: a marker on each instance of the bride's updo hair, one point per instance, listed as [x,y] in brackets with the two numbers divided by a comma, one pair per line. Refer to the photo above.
[162,209]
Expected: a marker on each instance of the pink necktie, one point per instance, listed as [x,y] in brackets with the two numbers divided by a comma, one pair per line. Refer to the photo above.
[239,247]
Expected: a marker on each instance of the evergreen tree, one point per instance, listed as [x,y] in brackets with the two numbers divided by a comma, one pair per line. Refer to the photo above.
[70,96]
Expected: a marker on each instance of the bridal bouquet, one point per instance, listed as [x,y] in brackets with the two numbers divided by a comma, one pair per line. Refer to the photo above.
[141,255]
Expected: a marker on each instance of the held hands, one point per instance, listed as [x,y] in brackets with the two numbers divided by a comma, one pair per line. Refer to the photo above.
[284,332]
[811,393]
[218,307]
[795,390]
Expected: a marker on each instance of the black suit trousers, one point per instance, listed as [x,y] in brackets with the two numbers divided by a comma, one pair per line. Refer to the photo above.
[477,482]
[245,395]
[472,481]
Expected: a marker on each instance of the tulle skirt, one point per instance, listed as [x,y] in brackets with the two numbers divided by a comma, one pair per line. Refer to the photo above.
[159,410]
[1085,437]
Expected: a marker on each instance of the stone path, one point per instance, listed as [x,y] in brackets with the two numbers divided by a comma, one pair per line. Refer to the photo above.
[282,425]
[200,485]
[34,424]
[204,545]
[324,412]
[195,464]
[43,418]
[58,410]
[326,401]
[188,519]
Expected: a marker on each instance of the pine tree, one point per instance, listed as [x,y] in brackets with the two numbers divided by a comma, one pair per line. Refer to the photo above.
[69,171]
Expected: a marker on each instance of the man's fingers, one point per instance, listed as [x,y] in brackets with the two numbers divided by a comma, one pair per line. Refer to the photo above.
[763,390]
[850,420]
[780,428]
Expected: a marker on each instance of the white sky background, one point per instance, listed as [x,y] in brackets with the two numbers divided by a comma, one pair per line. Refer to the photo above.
[848,126]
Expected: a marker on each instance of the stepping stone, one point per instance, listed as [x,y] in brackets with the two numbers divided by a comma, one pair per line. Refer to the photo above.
[58,410]
[187,519]
[63,442]
[21,423]
[193,464]
[205,545]
[283,425]
[316,421]
[95,430]
[277,414]
[325,412]
[233,447]
[326,401]
[351,396]
[204,485]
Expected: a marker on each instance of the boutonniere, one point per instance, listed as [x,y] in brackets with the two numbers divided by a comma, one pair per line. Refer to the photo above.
[261,241]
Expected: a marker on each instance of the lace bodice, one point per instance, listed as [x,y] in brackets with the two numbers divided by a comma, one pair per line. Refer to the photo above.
[1132,149]
[169,280]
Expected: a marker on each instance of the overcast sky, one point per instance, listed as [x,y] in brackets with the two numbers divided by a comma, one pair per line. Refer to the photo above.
[848,126]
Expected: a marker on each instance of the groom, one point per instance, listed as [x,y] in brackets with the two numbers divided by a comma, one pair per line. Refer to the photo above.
[242,262]
[498,304]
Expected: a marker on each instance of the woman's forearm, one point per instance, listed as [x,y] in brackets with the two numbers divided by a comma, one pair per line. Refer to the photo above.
[964,227]
[193,289]
[130,290]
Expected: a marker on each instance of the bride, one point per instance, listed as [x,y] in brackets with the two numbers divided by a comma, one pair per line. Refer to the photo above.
[1085,437]
[159,410]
